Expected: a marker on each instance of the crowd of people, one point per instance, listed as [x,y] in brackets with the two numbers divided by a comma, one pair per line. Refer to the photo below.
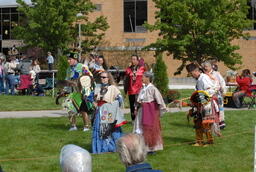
[93,94]
[100,104]
[19,74]
[101,100]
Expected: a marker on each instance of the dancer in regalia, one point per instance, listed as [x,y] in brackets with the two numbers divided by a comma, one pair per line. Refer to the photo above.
[108,117]
[205,107]
[147,121]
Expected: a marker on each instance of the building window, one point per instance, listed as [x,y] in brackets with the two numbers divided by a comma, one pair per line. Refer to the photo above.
[98,7]
[6,25]
[135,15]
[252,13]
[9,18]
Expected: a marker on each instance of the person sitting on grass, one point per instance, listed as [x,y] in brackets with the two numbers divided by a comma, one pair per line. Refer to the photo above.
[132,151]
[244,81]
[37,90]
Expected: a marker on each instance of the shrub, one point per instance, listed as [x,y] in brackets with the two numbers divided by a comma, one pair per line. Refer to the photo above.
[161,80]
[172,95]
[62,66]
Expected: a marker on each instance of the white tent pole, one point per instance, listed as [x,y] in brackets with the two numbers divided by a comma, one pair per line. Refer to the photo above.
[255,149]
[53,83]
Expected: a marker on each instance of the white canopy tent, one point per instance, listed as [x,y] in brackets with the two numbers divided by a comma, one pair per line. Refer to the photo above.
[12,3]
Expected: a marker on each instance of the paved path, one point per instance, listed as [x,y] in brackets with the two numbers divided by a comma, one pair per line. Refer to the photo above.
[54,113]
[32,114]
[60,113]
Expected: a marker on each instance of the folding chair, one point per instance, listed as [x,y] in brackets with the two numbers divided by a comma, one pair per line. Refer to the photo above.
[49,84]
[228,100]
[252,97]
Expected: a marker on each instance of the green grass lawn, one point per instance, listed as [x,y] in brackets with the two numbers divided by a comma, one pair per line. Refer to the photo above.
[44,137]
[27,103]
[184,93]
[30,103]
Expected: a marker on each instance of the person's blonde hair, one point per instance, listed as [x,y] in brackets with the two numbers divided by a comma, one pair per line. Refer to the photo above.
[131,149]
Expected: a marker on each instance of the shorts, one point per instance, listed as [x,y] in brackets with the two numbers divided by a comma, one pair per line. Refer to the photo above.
[86,107]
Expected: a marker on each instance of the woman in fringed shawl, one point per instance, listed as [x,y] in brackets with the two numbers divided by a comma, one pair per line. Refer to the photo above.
[108,117]
[147,121]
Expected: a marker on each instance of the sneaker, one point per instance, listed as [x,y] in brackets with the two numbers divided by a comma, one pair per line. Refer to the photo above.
[86,129]
[73,128]
[199,145]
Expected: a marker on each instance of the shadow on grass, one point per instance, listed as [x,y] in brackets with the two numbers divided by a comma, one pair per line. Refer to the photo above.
[185,124]
[63,126]
[171,140]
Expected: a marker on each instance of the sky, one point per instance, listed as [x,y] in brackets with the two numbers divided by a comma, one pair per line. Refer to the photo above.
[11,3]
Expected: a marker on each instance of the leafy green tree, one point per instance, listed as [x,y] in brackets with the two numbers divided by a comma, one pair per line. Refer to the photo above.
[50,24]
[53,26]
[196,30]
[161,80]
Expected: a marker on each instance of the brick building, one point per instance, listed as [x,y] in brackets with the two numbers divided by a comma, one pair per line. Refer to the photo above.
[126,33]
[9,18]
[125,18]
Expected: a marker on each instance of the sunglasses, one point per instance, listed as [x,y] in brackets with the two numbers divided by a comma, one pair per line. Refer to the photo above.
[103,77]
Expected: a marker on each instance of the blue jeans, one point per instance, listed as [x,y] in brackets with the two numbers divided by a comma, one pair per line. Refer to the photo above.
[10,84]
[238,97]
[1,84]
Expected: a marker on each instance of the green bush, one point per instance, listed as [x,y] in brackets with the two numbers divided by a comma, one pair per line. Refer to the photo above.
[172,95]
[161,80]
[62,66]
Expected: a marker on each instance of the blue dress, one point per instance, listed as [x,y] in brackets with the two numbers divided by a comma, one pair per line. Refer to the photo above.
[100,145]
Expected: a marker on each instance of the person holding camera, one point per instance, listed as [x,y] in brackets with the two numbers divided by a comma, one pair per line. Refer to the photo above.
[244,81]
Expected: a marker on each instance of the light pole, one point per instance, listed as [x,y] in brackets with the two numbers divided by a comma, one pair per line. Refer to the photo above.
[79,35]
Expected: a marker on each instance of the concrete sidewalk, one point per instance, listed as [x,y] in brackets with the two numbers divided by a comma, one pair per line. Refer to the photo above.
[60,113]
[55,113]
[33,114]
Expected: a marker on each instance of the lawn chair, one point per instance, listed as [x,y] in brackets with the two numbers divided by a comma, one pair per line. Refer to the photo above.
[252,97]
[48,84]
[228,100]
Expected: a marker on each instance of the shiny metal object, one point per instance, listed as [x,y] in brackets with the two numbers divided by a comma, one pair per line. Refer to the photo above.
[75,159]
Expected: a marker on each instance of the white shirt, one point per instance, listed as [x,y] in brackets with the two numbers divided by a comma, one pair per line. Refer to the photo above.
[221,81]
[36,68]
[205,83]
[50,59]
[10,66]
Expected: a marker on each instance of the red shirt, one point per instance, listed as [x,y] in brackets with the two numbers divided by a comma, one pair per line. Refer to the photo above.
[135,79]
[244,83]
